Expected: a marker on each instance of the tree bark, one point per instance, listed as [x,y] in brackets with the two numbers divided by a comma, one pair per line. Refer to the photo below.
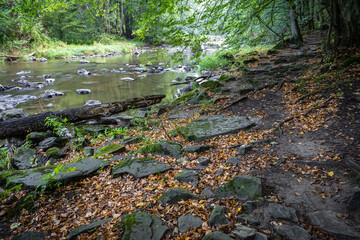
[295,28]
[23,126]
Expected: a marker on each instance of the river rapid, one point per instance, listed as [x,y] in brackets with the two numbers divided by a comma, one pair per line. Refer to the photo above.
[111,79]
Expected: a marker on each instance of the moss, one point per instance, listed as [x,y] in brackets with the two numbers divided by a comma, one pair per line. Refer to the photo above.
[92,130]
[112,148]
[151,148]
[212,85]
[55,152]
[183,98]
[227,78]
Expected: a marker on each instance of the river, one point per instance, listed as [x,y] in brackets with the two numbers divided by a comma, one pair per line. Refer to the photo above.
[104,82]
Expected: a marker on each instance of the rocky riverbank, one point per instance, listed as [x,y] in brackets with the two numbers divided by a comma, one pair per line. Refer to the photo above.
[268,153]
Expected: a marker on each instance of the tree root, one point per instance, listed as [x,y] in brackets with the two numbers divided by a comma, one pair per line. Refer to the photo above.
[278,126]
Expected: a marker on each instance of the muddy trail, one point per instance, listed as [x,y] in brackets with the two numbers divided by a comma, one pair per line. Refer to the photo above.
[291,172]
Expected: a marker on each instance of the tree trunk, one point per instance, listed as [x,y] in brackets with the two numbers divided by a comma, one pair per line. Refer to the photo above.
[295,28]
[23,126]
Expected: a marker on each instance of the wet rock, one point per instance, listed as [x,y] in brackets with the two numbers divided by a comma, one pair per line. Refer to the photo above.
[50,81]
[23,158]
[13,113]
[292,232]
[42,59]
[142,225]
[244,233]
[83,91]
[31,235]
[140,167]
[282,212]
[46,76]
[84,61]
[83,72]
[32,59]
[234,160]
[92,102]
[51,142]
[127,79]
[175,195]
[151,70]
[187,176]
[187,68]
[162,148]
[242,187]
[33,178]
[85,228]
[328,221]
[55,153]
[188,221]
[110,149]
[51,94]
[203,161]
[217,236]
[218,217]
[212,126]
[207,193]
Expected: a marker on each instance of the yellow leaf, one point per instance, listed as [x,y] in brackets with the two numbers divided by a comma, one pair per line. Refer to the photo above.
[239,209]
[301,132]
[97,187]
[299,180]
[289,140]
[330,174]
[280,223]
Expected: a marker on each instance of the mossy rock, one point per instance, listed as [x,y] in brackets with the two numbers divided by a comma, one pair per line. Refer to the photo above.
[23,158]
[36,137]
[201,97]
[217,236]
[280,60]
[226,78]
[183,98]
[162,148]
[92,130]
[56,153]
[242,187]
[110,149]
[79,143]
[27,202]
[142,225]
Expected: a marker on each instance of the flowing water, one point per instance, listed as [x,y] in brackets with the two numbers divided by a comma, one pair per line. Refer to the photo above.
[105,81]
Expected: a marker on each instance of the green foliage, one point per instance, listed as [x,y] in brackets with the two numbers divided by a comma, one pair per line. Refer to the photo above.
[57,124]
[214,61]
[4,158]
[5,193]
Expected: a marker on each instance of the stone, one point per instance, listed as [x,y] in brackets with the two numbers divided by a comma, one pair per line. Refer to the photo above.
[187,176]
[354,202]
[79,143]
[251,205]
[260,236]
[247,218]
[203,161]
[234,160]
[244,149]
[26,202]
[207,193]
[282,212]
[51,94]
[188,221]
[110,149]
[219,172]
[244,233]
[242,187]
[83,61]
[50,81]
[217,236]
[142,225]
[132,140]
[328,221]
[139,167]
[175,195]
[30,236]
[127,79]
[212,126]
[92,130]
[56,153]
[83,91]
[92,102]
[23,158]
[13,113]
[89,151]
[51,142]
[292,232]
[218,217]
[83,72]
[162,148]
[197,148]
[42,59]
[33,178]
[85,228]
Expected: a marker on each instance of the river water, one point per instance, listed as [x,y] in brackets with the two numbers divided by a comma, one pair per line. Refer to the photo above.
[104,82]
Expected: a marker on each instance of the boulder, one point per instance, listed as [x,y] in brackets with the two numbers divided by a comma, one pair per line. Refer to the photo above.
[244,233]
[110,149]
[142,225]
[50,81]
[187,176]
[218,217]
[234,160]
[175,195]
[162,148]
[92,130]
[203,161]
[84,61]
[354,202]
[23,158]
[282,212]
[13,113]
[56,153]
[139,167]
[217,236]
[51,142]
[328,221]
[242,187]
[83,91]
[83,72]
[197,148]
[247,218]
[85,228]
[36,137]
[207,193]
[42,59]
[79,143]
[292,232]
[188,221]
[30,236]
[212,126]
[33,178]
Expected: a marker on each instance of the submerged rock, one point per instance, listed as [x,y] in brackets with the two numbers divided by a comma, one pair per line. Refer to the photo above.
[52,93]
[127,79]
[92,102]
[83,91]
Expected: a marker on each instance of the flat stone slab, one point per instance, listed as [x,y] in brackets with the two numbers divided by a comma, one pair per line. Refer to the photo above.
[162,148]
[33,178]
[142,225]
[110,149]
[328,221]
[84,228]
[175,195]
[242,187]
[188,221]
[282,212]
[139,168]
[30,236]
[212,126]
